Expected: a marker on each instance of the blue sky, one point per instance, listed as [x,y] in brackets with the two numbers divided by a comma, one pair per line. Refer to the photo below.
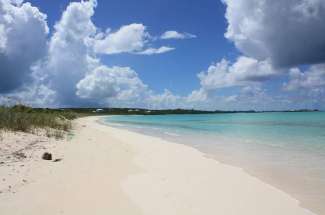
[210,54]
[176,70]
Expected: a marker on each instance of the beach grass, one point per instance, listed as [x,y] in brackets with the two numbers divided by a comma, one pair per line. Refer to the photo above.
[26,119]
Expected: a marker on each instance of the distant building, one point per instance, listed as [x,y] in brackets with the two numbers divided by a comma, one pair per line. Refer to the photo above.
[99,110]
[133,110]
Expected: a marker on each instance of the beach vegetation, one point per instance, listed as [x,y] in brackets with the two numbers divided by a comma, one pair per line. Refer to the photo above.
[26,119]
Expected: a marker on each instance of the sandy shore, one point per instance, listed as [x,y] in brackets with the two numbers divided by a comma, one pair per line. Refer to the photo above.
[111,171]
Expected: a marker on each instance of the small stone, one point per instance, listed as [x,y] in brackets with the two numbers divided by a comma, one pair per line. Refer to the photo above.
[47,156]
[58,160]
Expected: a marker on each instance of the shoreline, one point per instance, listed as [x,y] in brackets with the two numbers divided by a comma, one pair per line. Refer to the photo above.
[288,180]
[106,169]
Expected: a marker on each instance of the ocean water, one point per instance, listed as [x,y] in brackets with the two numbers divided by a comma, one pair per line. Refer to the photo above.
[286,150]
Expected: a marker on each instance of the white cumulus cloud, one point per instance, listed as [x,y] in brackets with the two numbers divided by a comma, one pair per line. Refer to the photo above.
[244,71]
[132,38]
[151,51]
[66,69]
[129,38]
[115,82]
[23,41]
[70,57]
[176,35]
[311,79]
[288,32]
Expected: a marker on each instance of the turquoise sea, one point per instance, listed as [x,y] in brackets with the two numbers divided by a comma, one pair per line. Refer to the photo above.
[284,149]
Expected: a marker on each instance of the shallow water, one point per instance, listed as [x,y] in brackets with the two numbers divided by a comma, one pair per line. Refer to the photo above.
[286,150]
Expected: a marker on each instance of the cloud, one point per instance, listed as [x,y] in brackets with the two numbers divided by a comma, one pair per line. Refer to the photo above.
[246,77]
[152,51]
[289,33]
[244,71]
[164,100]
[117,82]
[128,39]
[306,88]
[132,38]
[199,95]
[176,35]
[312,79]
[70,56]
[66,69]
[75,72]
[23,41]
[121,86]
[233,98]
[33,95]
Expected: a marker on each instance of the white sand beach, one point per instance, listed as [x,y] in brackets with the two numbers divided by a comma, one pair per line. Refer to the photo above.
[105,170]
